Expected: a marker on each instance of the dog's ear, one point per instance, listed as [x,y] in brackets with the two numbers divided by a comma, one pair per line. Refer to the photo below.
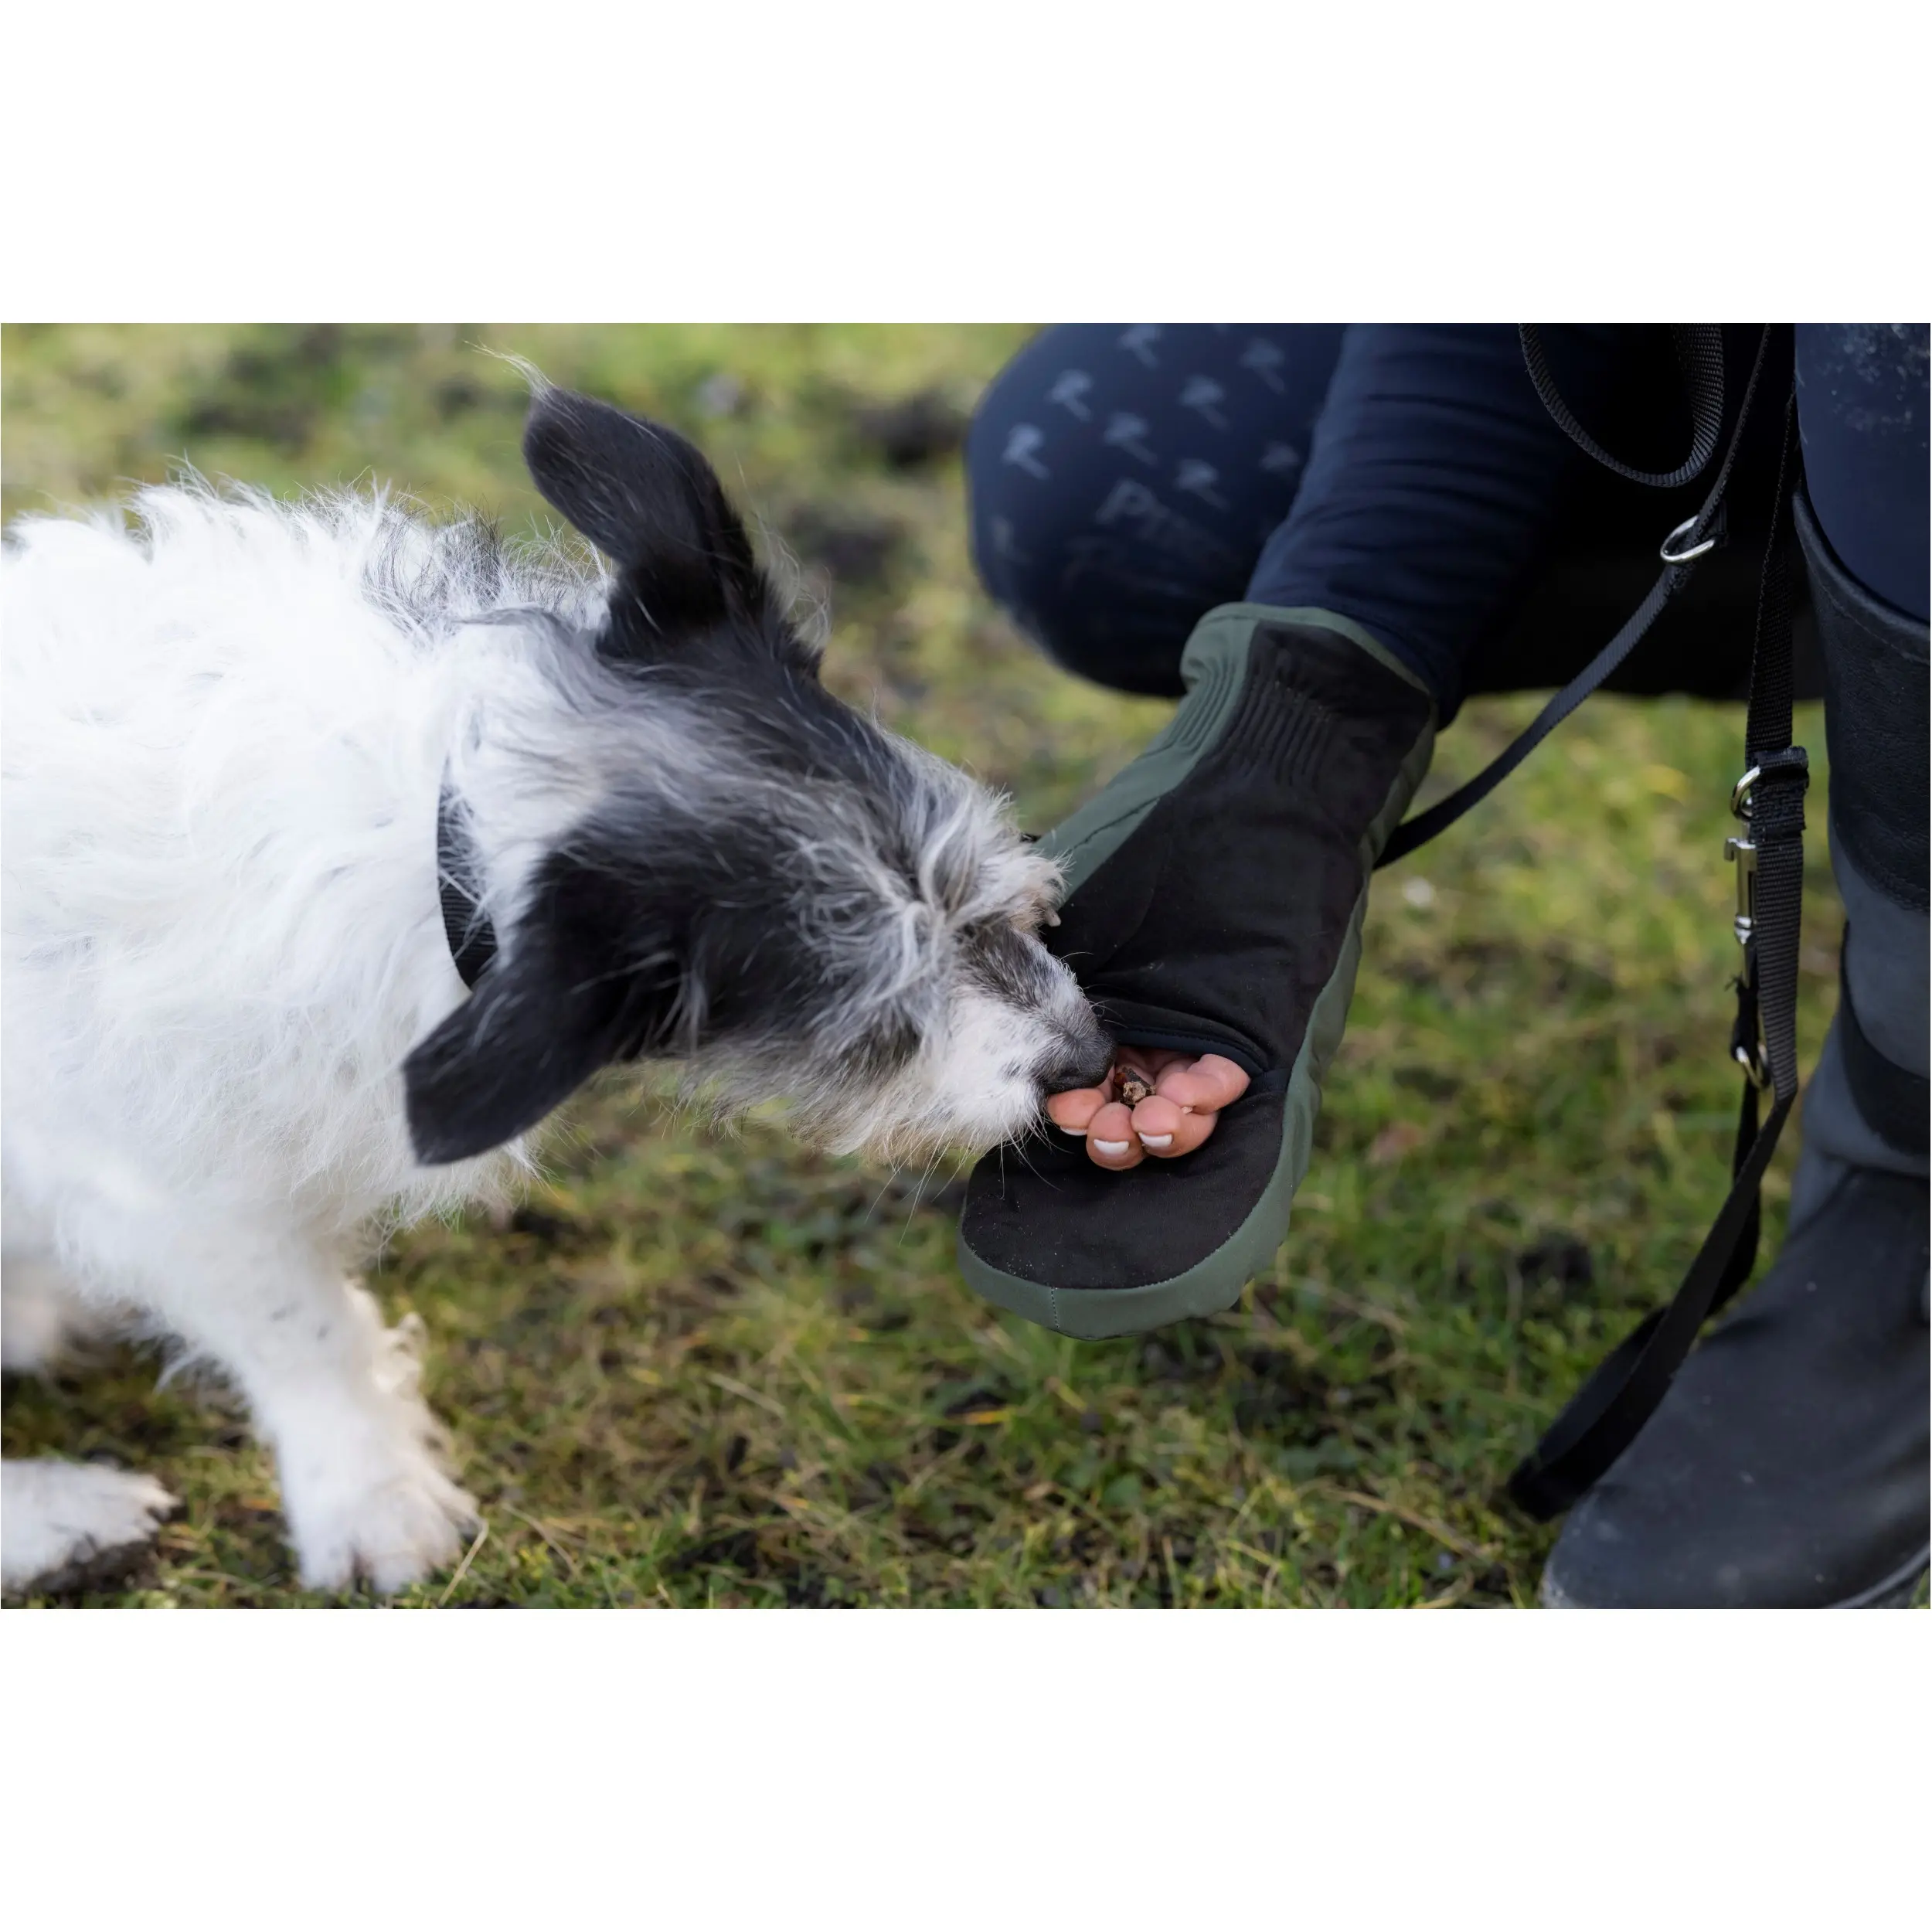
[512,1053]
[647,498]
[582,984]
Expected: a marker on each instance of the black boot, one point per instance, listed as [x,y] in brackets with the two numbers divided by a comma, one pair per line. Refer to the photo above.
[1788,1464]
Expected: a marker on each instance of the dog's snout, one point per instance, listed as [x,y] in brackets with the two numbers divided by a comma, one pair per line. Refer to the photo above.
[1081,1061]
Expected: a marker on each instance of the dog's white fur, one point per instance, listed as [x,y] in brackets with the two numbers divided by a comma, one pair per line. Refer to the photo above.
[226,731]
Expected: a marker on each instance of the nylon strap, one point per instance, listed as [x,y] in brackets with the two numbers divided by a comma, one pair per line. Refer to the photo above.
[1605,1415]
[1699,348]
[1709,374]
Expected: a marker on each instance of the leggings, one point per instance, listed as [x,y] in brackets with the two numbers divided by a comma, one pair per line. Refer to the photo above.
[1124,479]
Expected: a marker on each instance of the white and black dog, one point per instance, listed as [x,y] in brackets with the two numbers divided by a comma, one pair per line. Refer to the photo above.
[272,771]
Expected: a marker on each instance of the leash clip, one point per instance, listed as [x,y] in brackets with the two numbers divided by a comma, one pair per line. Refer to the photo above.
[1670,554]
[1743,853]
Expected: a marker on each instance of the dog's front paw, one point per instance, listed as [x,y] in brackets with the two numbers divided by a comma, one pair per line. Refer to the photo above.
[64,1524]
[369,1497]
[393,1524]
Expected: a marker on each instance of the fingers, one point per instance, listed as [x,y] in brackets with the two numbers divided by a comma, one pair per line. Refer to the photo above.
[1106,1125]
[1155,1120]
[1111,1141]
[1206,1085]
[1173,1120]
[1117,1140]
[1071,1111]
[1165,1132]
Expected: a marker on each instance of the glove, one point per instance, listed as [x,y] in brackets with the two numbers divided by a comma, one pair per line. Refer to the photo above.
[1215,892]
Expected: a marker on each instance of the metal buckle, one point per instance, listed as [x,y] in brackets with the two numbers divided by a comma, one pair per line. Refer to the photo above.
[1696,550]
[1757,1068]
[1741,794]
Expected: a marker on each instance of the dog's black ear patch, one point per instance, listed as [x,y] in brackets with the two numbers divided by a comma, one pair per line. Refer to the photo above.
[587,979]
[647,498]
[494,1068]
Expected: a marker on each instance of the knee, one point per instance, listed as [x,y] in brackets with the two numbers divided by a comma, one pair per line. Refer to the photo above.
[1052,544]
[1020,518]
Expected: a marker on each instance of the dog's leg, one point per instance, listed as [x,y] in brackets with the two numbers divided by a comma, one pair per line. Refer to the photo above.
[62,1524]
[334,1393]
[42,1317]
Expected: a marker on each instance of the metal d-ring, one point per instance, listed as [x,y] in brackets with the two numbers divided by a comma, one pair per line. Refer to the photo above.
[1696,550]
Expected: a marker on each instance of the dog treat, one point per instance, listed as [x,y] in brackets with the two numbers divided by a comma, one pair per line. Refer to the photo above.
[1132,1087]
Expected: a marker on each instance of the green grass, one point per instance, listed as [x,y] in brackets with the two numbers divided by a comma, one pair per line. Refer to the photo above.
[700,1370]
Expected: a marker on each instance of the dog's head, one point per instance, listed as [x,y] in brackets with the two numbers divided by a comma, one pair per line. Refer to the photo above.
[768,887]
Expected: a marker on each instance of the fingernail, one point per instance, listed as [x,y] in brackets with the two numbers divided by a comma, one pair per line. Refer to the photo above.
[1110,1147]
[1157,1140]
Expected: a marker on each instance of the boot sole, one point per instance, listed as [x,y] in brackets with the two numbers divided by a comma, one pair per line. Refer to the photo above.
[1894,1591]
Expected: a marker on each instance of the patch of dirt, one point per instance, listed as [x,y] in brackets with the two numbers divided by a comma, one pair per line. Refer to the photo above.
[914,431]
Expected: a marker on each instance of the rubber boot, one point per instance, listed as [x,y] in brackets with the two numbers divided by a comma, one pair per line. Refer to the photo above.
[1788,1464]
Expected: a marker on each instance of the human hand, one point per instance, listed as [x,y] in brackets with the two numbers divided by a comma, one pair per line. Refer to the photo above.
[1177,1115]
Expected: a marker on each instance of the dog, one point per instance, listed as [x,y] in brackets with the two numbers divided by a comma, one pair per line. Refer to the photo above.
[343,845]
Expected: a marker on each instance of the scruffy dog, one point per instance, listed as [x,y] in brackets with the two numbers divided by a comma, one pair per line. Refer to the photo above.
[272,772]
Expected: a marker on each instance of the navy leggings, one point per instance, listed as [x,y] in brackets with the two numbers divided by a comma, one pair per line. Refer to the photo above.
[1125,479]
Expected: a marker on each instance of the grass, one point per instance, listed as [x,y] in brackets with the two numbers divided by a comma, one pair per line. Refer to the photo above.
[698,1370]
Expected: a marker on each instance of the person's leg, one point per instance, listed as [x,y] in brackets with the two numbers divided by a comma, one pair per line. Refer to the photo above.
[1445,511]
[1862,420]
[1601,559]
[1123,476]
[1788,1463]
[1125,479]
[1435,484]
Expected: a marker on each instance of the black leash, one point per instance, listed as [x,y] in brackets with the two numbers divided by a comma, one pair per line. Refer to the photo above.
[1604,1416]
[1699,348]
[1681,551]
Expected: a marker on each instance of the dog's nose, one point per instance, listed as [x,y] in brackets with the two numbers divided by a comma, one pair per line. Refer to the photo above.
[1082,1062]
